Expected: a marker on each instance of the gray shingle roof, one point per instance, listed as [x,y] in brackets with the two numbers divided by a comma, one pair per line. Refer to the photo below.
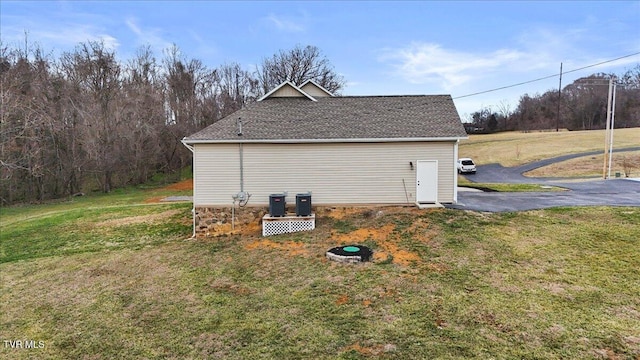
[339,118]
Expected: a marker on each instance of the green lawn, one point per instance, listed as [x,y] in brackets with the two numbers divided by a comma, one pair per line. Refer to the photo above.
[114,277]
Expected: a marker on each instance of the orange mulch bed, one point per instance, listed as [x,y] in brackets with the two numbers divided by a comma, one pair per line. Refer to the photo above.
[182,185]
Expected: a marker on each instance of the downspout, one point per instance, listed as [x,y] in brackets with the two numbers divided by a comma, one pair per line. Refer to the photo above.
[239,124]
[193,208]
[455,172]
[241,169]
[241,197]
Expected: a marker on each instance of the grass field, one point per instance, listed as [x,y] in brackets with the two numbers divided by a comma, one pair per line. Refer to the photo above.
[517,148]
[116,277]
[623,163]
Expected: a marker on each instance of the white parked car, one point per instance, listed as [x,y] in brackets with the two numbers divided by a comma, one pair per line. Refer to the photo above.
[466,166]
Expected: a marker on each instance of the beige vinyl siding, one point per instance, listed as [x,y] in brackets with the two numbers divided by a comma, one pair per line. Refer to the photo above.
[216,174]
[336,173]
[313,90]
[287,91]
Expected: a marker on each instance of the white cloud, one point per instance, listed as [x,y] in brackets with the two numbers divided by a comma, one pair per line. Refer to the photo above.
[109,41]
[284,24]
[55,34]
[75,34]
[147,36]
[421,63]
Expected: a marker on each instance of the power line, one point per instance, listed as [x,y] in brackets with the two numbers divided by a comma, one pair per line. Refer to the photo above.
[545,77]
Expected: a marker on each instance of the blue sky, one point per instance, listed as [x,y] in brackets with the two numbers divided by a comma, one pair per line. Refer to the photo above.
[381,48]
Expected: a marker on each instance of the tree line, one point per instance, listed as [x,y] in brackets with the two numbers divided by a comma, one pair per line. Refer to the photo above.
[581,105]
[86,121]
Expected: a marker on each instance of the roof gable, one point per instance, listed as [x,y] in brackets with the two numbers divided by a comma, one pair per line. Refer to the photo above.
[312,88]
[286,89]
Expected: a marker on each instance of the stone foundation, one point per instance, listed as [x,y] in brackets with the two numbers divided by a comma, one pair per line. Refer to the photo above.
[216,221]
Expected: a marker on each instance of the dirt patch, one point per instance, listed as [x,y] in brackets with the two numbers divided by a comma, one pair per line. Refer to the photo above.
[343,299]
[402,257]
[221,230]
[375,234]
[215,221]
[385,238]
[340,213]
[253,228]
[132,220]
[388,238]
[182,185]
[381,256]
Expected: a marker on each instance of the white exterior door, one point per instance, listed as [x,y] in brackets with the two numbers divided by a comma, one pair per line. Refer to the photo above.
[427,181]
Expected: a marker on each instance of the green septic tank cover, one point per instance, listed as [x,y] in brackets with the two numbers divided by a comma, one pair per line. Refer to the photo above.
[351,248]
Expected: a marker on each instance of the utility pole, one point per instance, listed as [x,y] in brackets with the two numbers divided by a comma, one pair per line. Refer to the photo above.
[613,121]
[606,133]
[559,97]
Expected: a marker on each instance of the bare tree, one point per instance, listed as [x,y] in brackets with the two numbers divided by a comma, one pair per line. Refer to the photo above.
[236,88]
[188,86]
[298,65]
[95,75]
[86,121]
[582,106]
[28,130]
[144,116]
[504,112]
[586,101]
[187,83]
[628,102]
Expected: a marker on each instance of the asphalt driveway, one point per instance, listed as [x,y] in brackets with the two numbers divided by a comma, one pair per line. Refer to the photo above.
[580,192]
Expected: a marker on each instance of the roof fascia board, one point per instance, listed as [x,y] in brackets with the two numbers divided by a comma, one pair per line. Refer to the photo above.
[285,83]
[307,141]
[316,85]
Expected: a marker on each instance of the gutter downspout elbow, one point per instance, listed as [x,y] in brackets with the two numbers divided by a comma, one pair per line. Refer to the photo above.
[193,208]
[184,142]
